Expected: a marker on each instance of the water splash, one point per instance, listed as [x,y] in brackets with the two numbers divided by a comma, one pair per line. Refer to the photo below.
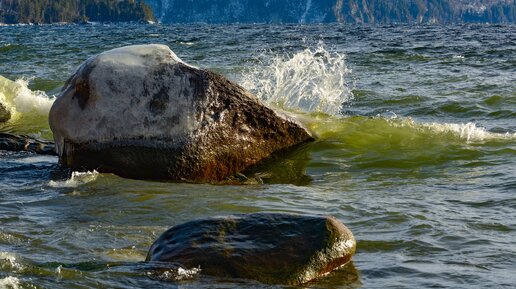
[28,109]
[312,80]
[174,274]
[20,99]
[77,179]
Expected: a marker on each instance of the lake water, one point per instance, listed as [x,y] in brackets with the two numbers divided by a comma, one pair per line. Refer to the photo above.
[416,154]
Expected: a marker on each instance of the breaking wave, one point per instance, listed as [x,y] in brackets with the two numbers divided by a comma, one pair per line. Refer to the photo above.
[315,84]
[28,109]
[369,133]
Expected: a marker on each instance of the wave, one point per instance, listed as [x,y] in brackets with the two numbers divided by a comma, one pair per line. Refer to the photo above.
[312,80]
[369,132]
[77,179]
[29,109]
[315,84]
[469,132]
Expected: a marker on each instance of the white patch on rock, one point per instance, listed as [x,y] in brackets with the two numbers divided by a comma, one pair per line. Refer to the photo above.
[122,82]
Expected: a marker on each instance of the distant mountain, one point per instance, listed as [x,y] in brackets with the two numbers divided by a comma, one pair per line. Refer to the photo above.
[327,11]
[52,11]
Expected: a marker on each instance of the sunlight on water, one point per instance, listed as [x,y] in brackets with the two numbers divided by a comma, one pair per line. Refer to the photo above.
[312,80]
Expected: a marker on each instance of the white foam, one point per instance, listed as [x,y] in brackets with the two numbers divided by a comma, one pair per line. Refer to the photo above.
[312,80]
[468,131]
[10,283]
[183,274]
[28,101]
[11,260]
[77,179]
[17,96]
[175,274]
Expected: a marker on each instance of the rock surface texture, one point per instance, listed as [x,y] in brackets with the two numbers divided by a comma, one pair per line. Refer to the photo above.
[140,112]
[270,248]
[5,114]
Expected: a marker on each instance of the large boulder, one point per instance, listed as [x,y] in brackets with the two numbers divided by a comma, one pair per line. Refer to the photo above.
[271,248]
[140,112]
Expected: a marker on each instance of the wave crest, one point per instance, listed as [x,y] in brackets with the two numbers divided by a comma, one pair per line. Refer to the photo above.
[28,109]
[17,96]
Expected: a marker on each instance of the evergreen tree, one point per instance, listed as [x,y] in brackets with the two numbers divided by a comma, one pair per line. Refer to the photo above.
[52,11]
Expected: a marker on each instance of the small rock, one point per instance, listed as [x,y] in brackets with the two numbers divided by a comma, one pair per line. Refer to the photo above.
[271,248]
[10,142]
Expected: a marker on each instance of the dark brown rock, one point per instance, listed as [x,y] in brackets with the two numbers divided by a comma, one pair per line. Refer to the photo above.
[271,248]
[10,142]
[5,114]
[140,112]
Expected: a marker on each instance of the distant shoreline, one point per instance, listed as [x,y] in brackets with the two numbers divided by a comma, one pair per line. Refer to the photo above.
[78,23]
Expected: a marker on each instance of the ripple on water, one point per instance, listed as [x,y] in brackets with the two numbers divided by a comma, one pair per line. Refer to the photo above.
[429,198]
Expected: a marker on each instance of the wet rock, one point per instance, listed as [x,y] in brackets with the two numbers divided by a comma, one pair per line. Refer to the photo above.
[10,142]
[7,88]
[5,114]
[270,248]
[141,112]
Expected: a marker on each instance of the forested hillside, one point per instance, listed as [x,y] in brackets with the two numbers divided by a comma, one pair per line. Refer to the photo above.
[52,11]
[327,11]
[260,11]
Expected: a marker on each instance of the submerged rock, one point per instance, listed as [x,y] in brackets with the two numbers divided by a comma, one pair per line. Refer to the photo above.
[140,112]
[271,248]
[10,142]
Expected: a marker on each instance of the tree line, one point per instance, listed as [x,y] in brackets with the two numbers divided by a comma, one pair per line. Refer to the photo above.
[330,11]
[54,11]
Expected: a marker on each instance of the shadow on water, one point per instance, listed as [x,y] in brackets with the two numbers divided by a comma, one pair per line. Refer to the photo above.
[288,167]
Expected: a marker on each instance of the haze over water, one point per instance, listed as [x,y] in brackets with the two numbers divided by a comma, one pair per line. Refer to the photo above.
[416,154]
